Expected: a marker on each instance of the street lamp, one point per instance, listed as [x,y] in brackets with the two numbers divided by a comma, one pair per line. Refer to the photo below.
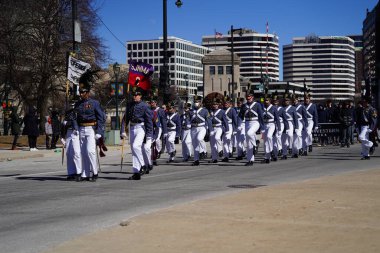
[187,87]
[116,71]
[232,56]
[165,70]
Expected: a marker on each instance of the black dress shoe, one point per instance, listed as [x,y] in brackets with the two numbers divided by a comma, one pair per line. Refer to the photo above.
[239,158]
[142,170]
[70,178]
[150,167]
[250,163]
[284,157]
[220,154]
[213,161]
[135,176]
[274,159]
[77,178]
[84,179]
[225,159]
[365,158]
[295,156]
[265,161]
[310,148]
[94,177]
[195,163]
[304,153]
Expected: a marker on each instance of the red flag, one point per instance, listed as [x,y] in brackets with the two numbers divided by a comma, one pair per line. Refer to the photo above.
[139,74]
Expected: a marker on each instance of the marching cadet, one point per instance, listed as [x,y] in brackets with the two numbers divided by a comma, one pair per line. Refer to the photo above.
[271,123]
[91,121]
[199,125]
[240,134]
[253,115]
[139,116]
[174,131]
[231,116]
[302,124]
[282,126]
[292,120]
[159,127]
[366,120]
[71,142]
[219,125]
[312,120]
[187,147]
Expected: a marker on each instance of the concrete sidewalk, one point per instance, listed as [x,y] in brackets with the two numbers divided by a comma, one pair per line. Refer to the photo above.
[330,214]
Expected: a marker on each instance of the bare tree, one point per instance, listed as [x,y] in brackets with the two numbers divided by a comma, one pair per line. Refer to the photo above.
[35,38]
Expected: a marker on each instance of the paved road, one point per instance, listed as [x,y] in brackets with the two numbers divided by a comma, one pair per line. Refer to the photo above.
[39,209]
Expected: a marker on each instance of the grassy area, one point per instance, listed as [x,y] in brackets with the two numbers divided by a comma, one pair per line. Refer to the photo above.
[7,141]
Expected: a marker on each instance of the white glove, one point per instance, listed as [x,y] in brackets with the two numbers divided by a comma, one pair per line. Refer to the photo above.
[234,133]
[212,133]
[75,132]
[123,136]
[64,123]
[240,128]
[97,136]
[165,135]
[263,131]
[316,128]
[369,130]
[148,139]
[63,141]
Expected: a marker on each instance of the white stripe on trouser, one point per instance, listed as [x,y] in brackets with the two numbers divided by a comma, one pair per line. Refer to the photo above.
[216,142]
[170,146]
[240,136]
[137,134]
[268,139]
[364,138]
[297,140]
[187,146]
[287,139]
[88,151]
[147,152]
[73,155]
[158,140]
[307,136]
[277,142]
[198,135]
[251,128]
[227,142]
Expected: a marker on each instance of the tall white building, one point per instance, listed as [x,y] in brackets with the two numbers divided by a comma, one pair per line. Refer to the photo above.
[185,60]
[258,52]
[325,63]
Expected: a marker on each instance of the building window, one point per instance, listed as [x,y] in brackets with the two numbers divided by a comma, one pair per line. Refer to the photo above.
[212,70]
[228,70]
[220,70]
[134,46]
[150,45]
[155,45]
[140,46]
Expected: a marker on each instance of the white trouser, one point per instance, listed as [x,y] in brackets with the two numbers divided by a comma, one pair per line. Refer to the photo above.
[216,142]
[287,139]
[187,146]
[251,128]
[227,141]
[307,136]
[147,152]
[137,134]
[198,135]
[170,146]
[240,137]
[297,140]
[364,138]
[268,139]
[73,155]
[277,142]
[158,140]
[88,150]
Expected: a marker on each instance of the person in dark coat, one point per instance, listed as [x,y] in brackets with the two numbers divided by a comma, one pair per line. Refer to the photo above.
[15,126]
[56,127]
[31,128]
[322,118]
[346,119]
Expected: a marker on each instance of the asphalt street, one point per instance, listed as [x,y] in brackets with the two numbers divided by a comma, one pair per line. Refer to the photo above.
[40,209]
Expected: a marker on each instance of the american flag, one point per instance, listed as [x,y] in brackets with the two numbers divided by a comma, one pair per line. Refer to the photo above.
[218,35]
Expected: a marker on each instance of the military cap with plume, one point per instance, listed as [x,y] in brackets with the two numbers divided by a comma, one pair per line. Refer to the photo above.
[86,80]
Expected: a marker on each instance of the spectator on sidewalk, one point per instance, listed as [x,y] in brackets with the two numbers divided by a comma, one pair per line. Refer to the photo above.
[56,128]
[346,120]
[31,128]
[48,131]
[15,126]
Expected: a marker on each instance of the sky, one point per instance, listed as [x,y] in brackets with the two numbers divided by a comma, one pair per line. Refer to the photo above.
[142,19]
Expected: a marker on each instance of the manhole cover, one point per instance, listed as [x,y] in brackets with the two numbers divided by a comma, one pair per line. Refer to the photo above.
[245,186]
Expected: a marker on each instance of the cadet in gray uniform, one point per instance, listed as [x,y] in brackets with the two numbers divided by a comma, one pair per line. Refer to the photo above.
[271,123]
[231,116]
[292,120]
[91,120]
[139,115]
[174,130]
[302,124]
[312,119]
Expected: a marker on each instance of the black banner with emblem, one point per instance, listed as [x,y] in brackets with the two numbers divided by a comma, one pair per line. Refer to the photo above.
[327,130]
